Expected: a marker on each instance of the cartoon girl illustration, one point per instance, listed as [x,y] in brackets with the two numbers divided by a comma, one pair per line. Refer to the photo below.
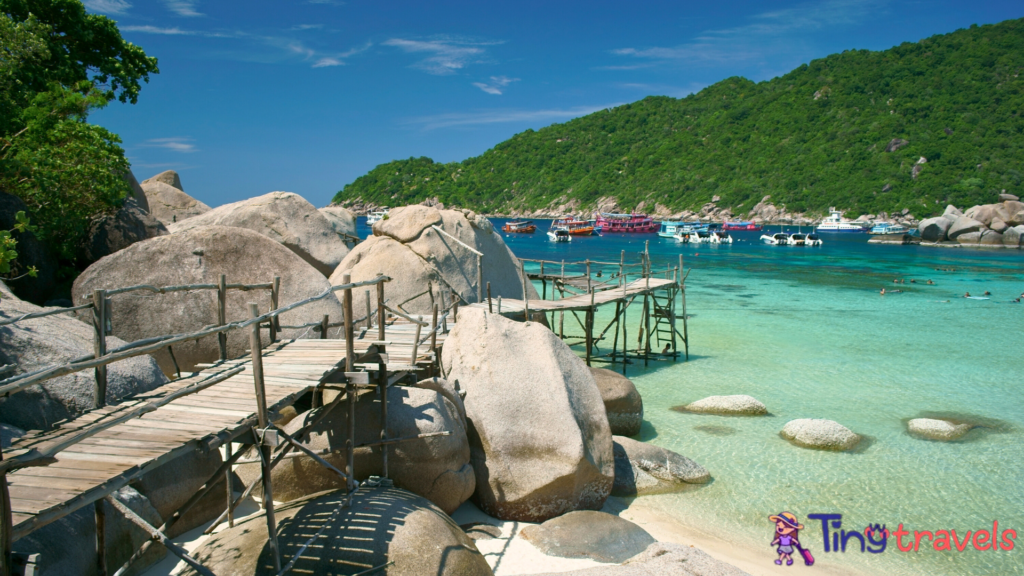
[787,530]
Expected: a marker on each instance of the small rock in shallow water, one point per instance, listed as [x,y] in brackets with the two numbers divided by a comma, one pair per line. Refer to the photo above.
[932,429]
[819,434]
[740,404]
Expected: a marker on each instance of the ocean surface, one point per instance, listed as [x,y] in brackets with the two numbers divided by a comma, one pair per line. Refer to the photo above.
[805,331]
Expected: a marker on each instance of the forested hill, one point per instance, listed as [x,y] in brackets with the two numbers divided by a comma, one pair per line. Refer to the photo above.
[848,130]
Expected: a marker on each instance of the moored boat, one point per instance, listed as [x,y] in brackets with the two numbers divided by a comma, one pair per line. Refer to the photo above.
[575,226]
[747,226]
[777,239]
[886,228]
[376,215]
[559,235]
[798,239]
[720,237]
[836,223]
[635,223]
[685,236]
[519,227]
[812,240]
[669,228]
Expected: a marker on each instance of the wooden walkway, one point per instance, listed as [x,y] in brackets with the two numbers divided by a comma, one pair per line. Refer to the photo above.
[581,302]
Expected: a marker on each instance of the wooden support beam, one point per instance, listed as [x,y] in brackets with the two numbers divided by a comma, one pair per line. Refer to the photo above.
[222,303]
[480,278]
[99,326]
[350,389]
[256,354]
[6,527]
[275,322]
[159,536]
[490,304]
[101,539]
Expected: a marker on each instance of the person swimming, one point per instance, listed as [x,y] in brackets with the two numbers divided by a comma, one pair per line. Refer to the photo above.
[967,294]
[987,293]
[930,283]
[882,292]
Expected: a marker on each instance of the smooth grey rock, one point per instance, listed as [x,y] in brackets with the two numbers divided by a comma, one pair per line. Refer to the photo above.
[444,388]
[382,525]
[969,238]
[934,229]
[952,211]
[1015,210]
[436,468]
[540,440]
[137,193]
[932,429]
[588,534]
[662,559]
[68,546]
[112,232]
[622,401]
[642,468]
[735,404]
[964,225]
[998,225]
[285,218]
[342,219]
[169,177]
[985,213]
[170,486]
[819,434]
[200,256]
[169,204]
[58,339]
[1012,236]
[1004,196]
[895,144]
[991,238]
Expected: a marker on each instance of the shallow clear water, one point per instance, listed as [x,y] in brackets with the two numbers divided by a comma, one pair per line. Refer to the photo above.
[805,331]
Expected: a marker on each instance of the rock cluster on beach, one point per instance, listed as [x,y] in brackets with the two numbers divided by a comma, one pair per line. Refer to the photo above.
[988,225]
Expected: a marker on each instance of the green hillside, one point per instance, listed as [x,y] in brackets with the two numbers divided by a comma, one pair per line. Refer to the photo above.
[813,138]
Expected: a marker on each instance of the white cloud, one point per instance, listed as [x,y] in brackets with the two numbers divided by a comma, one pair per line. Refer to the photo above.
[157,30]
[307,26]
[176,144]
[183,7]
[496,84]
[108,6]
[444,56]
[502,116]
[328,61]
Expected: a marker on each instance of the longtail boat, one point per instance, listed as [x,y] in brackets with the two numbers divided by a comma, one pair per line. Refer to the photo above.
[519,227]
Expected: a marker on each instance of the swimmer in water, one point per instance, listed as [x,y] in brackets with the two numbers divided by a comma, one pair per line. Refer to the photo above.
[967,294]
[930,283]
[882,292]
[987,293]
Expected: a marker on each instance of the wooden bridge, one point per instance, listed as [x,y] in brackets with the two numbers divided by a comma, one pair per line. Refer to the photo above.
[49,475]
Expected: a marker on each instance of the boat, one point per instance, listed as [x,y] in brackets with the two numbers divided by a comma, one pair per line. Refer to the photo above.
[703,235]
[720,237]
[519,227]
[685,236]
[575,226]
[635,223]
[747,226]
[812,240]
[559,235]
[798,239]
[885,228]
[669,228]
[836,223]
[376,215]
[777,239]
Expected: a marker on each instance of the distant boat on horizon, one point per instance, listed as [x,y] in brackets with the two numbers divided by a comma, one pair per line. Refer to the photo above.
[747,226]
[630,223]
[836,223]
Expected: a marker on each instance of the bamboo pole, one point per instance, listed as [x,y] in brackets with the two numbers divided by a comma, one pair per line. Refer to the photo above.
[526,294]
[625,341]
[99,325]
[381,315]
[222,303]
[256,353]
[369,324]
[275,293]
[325,322]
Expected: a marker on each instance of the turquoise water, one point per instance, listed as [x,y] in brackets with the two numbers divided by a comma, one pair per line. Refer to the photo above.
[805,331]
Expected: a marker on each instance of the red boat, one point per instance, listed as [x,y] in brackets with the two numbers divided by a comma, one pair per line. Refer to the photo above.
[748,226]
[519,227]
[639,223]
[575,226]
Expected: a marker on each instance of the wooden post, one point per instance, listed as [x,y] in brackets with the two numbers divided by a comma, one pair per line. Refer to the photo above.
[256,354]
[228,483]
[101,539]
[490,304]
[615,333]
[622,265]
[589,286]
[324,323]
[647,259]
[588,322]
[686,335]
[543,283]
[275,322]
[647,327]
[433,333]
[416,344]
[625,338]
[499,303]
[561,313]
[6,526]
[222,303]
[381,318]
[526,294]
[99,325]
[368,323]
[350,389]
[479,278]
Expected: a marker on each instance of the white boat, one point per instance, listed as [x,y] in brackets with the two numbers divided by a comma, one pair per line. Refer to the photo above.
[797,239]
[836,223]
[685,236]
[376,216]
[720,237]
[777,239]
[560,235]
[669,228]
[885,228]
[812,240]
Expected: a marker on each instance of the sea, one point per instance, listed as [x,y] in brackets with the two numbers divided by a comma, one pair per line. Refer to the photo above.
[806,331]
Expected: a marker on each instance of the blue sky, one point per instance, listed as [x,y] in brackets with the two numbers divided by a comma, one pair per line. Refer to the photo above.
[307,95]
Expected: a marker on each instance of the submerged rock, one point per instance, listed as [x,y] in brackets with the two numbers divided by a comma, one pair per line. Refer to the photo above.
[588,534]
[622,401]
[739,404]
[933,429]
[642,468]
[819,434]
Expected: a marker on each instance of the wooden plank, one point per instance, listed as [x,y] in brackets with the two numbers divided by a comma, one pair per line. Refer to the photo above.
[200,410]
[42,494]
[95,476]
[125,462]
[75,484]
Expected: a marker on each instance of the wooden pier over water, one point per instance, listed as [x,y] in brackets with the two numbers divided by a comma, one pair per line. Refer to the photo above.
[229,404]
[583,287]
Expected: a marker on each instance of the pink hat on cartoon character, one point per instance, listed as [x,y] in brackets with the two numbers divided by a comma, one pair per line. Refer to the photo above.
[787,518]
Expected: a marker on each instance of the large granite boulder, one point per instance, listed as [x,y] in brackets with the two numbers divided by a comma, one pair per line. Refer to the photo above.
[622,402]
[969,237]
[169,177]
[964,225]
[985,213]
[662,559]
[1012,236]
[933,429]
[991,238]
[32,252]
[952,212]
[68,545]
[284,217]
[1015,211]
[436,468]
[170,486]
[342,219]
[997,225]
[642,468]
[59,339]
[540,440]
[934,229]
[819,434]
[383,525]
[737,404]
[109,233]
[425,263]
[589,534]
[137,193]
[200,256]
[1004,196]
[170,204]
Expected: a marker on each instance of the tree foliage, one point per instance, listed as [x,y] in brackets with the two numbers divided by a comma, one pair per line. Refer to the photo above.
[57,64]
[813,138]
